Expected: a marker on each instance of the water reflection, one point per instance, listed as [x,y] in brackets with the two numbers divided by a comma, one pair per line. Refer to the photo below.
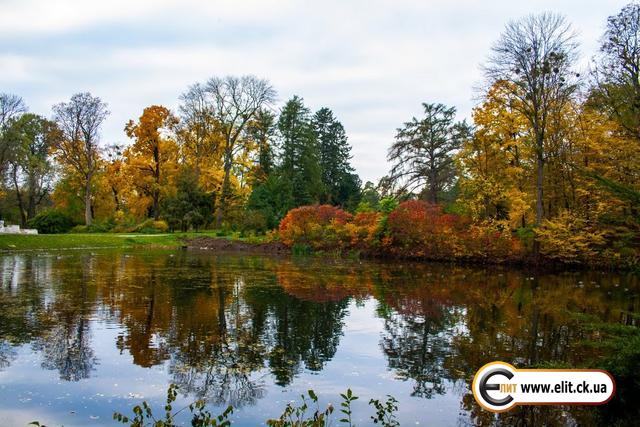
[234,329]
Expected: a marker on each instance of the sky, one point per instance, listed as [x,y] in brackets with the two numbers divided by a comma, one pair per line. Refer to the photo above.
[372,62]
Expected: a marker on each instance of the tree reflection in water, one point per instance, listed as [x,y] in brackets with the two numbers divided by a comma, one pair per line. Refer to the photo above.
[227,326]
[66,345]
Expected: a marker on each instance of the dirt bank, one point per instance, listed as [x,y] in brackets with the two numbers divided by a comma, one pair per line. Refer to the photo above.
[227,245]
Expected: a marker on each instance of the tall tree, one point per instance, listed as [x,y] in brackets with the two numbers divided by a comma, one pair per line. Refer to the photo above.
[234,102]
[80,120]
[298,153]
[11,108]
[115,174]
[31,137]
[423,150]
[494,165]
[152,151]
[339,182]
[197,132]
[535,55]
[262,130]
[616,74]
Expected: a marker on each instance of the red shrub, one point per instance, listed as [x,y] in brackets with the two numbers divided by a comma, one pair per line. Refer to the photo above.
[318,226]
[363,230]
[420,229]
[415,229]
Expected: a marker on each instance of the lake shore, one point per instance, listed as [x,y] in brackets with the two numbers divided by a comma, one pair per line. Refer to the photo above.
[213,242]
[24,242]
[209,241]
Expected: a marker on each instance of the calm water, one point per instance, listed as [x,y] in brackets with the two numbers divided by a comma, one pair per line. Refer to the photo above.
[84,334]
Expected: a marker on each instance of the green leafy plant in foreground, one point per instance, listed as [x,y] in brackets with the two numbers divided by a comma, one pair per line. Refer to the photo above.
[347,398]
[143,414]
[307,413]
[385,412]
[294,415]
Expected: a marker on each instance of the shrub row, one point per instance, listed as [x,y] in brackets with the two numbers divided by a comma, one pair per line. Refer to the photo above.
[56,222]
[414,229]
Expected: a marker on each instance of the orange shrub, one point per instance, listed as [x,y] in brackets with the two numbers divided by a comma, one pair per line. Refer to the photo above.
[489,243]
[422,230]
[363,230]
[319,226]
[414,229]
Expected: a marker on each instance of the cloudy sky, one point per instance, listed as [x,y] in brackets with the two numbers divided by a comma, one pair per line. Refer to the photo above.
[372,62]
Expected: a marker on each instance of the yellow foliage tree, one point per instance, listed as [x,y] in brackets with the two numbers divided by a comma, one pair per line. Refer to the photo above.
[495,164]
[152,159]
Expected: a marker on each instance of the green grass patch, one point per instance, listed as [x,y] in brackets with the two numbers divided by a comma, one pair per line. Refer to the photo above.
[24,242]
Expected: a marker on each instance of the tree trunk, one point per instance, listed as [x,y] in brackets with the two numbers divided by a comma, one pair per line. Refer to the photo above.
[23,214]
[88,217]
[156,190]
[31,206]
[116,199]
[225,192]
[433,196]
[32,202]
[156,205]
[539,191]
[432,193]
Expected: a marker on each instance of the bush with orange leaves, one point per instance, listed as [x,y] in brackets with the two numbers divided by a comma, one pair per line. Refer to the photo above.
[363,231]
[319,226]
[417,229]
[414,229]
[492,243]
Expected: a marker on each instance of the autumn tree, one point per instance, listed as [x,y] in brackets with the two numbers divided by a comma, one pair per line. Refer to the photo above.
[79,121]
[234,102]
[422,155]
[198,134]
[30,139]
[616,74]
[535,56]
[494,164]
[115,174]
[153,152]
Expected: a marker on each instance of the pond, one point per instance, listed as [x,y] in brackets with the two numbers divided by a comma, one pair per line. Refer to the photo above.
[85,334]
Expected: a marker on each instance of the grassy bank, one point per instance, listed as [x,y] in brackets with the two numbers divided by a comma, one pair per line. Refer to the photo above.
[22,242]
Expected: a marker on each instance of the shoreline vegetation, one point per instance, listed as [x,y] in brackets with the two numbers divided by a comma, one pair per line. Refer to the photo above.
[412,231]
[546,172]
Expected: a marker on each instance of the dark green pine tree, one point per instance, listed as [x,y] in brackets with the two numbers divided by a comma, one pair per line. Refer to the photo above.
[268,197]
[190,207]
[272,199]
[261,130]
[341,184]
[422,154]
[299,166]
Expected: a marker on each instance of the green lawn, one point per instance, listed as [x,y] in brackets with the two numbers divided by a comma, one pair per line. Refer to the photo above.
[17,242]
